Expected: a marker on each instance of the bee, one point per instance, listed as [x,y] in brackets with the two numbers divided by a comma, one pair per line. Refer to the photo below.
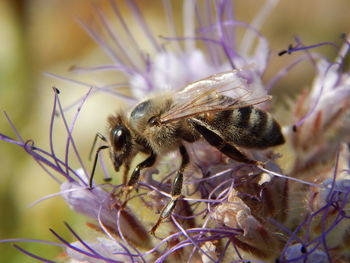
[219,109]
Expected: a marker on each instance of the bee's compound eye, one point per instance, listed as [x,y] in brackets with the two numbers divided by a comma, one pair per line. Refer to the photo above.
[120,137]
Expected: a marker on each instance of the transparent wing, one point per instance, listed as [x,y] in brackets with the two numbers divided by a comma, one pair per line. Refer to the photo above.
[218,92]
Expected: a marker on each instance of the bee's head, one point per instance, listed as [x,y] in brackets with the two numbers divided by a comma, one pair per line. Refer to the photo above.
[121,141]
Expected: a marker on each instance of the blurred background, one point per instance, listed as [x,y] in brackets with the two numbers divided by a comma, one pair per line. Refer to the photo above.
[44,36]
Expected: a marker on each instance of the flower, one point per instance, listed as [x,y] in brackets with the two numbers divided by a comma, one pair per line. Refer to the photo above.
[230,211]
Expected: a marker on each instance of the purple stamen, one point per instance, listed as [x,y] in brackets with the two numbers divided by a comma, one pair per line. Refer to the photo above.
[33,255]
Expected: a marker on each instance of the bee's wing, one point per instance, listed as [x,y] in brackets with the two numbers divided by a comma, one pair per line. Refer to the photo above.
[219,92]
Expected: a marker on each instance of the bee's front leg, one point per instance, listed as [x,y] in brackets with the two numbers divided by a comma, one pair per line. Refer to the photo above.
[136,173]
[175,190]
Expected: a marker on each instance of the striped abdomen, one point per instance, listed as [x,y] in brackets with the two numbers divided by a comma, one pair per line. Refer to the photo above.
[247,127]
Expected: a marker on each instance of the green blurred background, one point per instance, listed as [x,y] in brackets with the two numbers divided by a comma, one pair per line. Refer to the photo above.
[44,36]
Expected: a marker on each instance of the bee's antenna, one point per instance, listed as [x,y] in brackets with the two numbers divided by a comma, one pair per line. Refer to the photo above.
[98,135]
[95,163]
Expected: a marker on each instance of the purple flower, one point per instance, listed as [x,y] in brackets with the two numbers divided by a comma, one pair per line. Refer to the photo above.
[298,253]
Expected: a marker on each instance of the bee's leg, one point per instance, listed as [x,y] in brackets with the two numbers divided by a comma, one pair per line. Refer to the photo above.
[175,189]
[218,142]
[136,173]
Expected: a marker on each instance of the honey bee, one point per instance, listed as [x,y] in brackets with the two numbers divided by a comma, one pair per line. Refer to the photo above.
[219,109]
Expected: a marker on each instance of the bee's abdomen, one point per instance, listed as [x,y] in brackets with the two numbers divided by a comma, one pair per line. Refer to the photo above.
[249,127]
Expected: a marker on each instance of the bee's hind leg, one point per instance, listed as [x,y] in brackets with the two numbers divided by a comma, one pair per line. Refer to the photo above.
[218,142]
[175,190]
